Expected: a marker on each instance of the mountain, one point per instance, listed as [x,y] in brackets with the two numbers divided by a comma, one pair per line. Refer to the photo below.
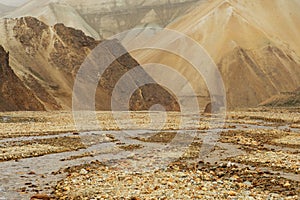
[52,12]
[255,45]
[102,19]
[47,59]
[14,94]
[110,17]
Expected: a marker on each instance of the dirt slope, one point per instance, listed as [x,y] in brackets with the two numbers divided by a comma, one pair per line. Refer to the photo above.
[254,43]
[288,99]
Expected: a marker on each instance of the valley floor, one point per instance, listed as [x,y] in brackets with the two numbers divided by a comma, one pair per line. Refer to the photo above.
[255,154]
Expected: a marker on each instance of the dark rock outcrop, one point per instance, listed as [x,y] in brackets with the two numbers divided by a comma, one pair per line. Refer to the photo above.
[208,108]
[14,95]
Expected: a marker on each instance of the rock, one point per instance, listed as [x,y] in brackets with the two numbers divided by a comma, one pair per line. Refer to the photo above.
[67,188]
[287,184]
[83,172]
[40,196]
[208,108]
[230,164]
[234,178]
[247,183]
[232,193]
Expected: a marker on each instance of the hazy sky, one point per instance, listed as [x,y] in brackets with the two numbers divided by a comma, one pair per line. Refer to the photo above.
[13,2]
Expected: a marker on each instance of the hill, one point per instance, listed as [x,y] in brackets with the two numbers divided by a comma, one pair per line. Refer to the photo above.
[53,12]
[255,44]
[47,58]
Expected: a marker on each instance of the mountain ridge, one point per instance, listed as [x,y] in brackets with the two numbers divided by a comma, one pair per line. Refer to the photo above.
[256,61]
[47,58]
[105,19]
[52,12]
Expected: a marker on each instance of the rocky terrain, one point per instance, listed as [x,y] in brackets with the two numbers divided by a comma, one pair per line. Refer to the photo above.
[47,59]
[49,152]
[256,157]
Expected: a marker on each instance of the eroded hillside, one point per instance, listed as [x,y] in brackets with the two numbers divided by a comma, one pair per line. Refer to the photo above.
[47,59]
[255,45]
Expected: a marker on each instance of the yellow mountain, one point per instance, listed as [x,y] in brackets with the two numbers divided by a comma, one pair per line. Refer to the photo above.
[255,44]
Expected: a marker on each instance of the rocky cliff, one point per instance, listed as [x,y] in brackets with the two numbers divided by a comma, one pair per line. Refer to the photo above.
[14,95]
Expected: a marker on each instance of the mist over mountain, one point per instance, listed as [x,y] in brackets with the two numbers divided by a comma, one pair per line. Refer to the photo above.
[102,19]
[114,16]
[5,9]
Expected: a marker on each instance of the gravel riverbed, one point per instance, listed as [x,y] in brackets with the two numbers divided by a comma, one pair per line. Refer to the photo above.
[42,156]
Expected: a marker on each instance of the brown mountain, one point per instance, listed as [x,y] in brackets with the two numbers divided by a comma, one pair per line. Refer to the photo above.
[255,44]
[47,58]
[14,95]
[53,12]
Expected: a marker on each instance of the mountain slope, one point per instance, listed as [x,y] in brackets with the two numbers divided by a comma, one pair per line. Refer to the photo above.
[47,59]
[279,19]
[289,99]
[104,18]
[246,40]
[115,16]
[52,12]
[14,95]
